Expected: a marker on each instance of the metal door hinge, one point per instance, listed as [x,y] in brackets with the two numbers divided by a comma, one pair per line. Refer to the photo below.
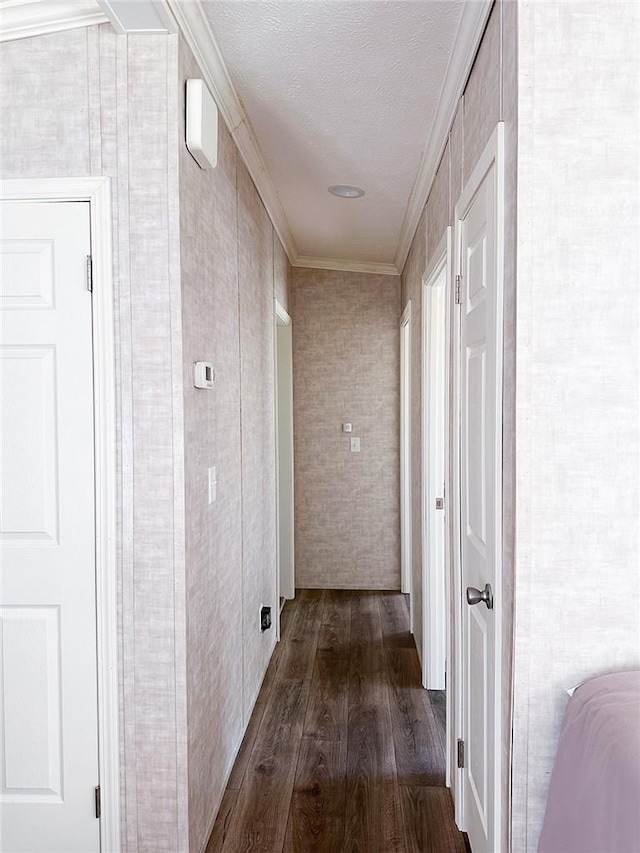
[98,801]
[439,503]
[460,753]
[458,281]
[89,274]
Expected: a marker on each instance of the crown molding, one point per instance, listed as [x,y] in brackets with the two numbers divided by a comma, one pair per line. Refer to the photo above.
[475,14]
[344,266]
[198,35]
[20,19]
[25,18]
[197,32]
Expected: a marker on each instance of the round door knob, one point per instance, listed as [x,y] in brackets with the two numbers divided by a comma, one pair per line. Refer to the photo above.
[475,596]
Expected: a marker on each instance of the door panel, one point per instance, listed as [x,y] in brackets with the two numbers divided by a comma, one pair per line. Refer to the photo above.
[48,707]
[31,710]
[30,507]
[480,363]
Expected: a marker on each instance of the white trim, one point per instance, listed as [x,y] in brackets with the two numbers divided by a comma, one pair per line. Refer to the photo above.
[435,630]
[194,25]
[20,19]
[406,314]
[197,32]
[150,17]
[198,35]
[493,154]
[283,318]
[377,268]
[97,191]
[455,732]
[285,486]
[472,24]
[440,257]
[406,505]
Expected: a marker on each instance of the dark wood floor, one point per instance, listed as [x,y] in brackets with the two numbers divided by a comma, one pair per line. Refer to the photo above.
[344,752]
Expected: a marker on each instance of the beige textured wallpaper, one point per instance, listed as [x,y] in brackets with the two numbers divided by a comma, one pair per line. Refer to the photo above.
[346,369]
[232,266]
[257,378]
[187,599]
[58,101]
[578,371]
[210,323]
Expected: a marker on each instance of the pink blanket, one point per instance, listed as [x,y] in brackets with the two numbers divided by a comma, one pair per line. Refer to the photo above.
[593,804]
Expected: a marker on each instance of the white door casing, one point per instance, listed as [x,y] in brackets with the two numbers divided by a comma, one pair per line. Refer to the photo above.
[435,382]
[59,322]
[284,450]
[478,483]
[405,457]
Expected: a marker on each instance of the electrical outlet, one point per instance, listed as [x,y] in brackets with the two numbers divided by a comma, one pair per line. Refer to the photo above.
[265,618]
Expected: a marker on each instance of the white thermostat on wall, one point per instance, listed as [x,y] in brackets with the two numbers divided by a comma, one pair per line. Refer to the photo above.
[347,427]
[203,374]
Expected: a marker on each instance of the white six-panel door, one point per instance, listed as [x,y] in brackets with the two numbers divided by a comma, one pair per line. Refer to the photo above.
[49,700]
[479,246]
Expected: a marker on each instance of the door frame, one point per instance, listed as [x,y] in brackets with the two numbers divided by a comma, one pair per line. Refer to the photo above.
[97,191]
[406,526]
[282,323]
[435,611]
[493,155]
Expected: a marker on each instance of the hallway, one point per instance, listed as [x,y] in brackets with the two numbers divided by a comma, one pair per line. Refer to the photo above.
[344,751]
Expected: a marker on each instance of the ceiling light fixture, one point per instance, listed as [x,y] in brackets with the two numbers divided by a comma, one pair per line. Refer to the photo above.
[345,191]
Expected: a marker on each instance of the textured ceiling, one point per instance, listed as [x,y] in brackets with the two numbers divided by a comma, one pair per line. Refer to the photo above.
[339,92]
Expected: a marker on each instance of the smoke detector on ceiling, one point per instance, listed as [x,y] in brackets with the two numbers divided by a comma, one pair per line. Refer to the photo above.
[346,191]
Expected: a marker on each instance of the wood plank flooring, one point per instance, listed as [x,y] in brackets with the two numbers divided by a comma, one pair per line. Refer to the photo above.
[344,752]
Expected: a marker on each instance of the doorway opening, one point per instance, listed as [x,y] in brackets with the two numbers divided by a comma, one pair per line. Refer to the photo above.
[405,458]
[436,562]
[284,452]
[435,553]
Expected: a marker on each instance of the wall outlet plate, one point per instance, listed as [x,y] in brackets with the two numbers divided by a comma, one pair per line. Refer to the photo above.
[213,484]
[265,618]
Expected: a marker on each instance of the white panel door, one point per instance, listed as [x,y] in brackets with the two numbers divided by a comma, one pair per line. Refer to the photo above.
[480,362]
[48,707]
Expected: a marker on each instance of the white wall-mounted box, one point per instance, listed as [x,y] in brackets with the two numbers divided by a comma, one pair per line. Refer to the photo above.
[202,124]
[203,374]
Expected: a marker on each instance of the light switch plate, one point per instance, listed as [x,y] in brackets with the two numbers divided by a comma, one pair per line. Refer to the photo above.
[213,484]
[355,444]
